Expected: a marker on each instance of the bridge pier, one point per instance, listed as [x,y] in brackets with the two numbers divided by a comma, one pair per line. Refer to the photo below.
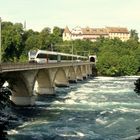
[71,75]
[23,100]
[78,73]
[84,71]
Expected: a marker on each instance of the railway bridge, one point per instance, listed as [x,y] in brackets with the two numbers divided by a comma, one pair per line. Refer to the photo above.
[28,80]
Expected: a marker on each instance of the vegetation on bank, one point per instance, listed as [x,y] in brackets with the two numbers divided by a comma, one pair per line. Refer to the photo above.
[4,122]
[115,58]
[8,119]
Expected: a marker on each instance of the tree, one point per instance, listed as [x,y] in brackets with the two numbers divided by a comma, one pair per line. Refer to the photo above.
[44,38]
[33,42]
[12,41]
[128,65]
[108,64]
[134,35]
[118,58]
[57,31]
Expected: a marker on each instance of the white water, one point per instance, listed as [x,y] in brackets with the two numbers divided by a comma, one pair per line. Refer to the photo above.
[104,108]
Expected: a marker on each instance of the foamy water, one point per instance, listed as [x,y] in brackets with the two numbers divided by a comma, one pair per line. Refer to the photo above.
[104,108]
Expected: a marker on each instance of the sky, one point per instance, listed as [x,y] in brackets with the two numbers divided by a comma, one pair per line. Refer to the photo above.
[39,14]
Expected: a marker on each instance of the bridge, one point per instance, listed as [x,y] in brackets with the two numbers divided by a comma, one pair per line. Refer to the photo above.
[28,80]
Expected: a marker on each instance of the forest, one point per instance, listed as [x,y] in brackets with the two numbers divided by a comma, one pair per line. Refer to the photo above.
[115,58]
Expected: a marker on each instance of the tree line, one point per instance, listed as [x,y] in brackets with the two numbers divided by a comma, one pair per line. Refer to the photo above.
[115,58]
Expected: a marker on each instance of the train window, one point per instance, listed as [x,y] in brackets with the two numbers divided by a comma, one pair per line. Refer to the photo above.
[52,57]
[41,55]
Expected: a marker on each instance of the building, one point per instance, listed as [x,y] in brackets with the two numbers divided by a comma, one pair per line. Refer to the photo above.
[94,33]
[118,32]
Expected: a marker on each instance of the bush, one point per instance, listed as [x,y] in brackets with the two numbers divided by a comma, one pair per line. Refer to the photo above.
[4,101]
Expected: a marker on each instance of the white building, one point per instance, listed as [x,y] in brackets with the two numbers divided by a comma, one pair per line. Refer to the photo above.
[94,33]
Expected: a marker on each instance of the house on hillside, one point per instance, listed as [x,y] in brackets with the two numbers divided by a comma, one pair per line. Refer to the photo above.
[94,33]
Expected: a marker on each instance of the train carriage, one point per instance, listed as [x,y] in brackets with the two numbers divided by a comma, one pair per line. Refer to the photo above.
[42,56]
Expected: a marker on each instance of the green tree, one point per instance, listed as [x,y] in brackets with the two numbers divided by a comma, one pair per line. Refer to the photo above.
[128,65]
[57,31]
[55,38]
[12,41]
[108,64]
[134,35]
[44,38]
[118,58]
[33,42]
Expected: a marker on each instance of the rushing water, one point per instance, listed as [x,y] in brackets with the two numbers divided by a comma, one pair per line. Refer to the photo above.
[103,108]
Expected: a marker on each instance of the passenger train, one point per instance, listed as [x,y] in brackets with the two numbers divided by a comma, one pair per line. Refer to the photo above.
[43,56]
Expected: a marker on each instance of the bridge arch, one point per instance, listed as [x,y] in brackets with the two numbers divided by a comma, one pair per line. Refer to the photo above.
[21,87]
[60,78]
[43,83]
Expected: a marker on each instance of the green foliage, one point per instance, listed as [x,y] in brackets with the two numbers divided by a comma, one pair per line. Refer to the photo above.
[4,101]
[11,41]
[43,38]
[57,31]
[32,42]
[4,97]
[128,65]
[134,35]
[23,58]
[115,57]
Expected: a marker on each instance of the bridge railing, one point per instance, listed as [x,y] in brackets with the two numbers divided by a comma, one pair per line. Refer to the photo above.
[7,67]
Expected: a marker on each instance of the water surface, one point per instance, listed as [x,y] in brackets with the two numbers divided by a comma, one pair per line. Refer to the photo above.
[103,108]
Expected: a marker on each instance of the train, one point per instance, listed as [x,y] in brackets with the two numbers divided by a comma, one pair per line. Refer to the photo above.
[43,56]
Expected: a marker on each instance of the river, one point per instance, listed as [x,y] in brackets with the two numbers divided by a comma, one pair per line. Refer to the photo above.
[103,108]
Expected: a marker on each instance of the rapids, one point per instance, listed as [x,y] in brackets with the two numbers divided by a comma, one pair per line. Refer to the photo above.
[103,108]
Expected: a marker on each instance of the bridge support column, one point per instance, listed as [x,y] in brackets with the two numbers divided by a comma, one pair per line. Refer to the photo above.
[78,72]
[22,84]
[23,101]
[89,70]
[84,71]
[71,76]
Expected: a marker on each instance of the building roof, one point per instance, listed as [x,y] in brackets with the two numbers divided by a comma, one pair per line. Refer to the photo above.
[117,30]
[66,30]
[94,31]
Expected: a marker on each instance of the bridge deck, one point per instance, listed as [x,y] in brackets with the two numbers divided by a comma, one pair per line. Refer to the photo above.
[9,67]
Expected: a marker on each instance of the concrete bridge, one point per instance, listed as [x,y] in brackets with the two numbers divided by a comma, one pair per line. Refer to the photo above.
[28,80]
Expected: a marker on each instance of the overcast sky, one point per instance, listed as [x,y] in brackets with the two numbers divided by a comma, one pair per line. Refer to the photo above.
[93,13]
